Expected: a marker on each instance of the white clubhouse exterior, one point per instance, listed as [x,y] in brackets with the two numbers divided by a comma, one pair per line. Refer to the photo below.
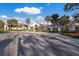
[23,26]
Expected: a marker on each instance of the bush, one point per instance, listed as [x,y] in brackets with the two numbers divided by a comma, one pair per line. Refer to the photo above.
[1,30]
[67,31]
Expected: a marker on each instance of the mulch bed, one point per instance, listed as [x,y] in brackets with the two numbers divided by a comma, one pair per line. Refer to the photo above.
[75,34]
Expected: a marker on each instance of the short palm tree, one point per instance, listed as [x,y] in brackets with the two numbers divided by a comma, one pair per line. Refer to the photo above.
[1,25]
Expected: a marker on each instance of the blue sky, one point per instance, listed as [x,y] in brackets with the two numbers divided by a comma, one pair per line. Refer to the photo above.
[35,11]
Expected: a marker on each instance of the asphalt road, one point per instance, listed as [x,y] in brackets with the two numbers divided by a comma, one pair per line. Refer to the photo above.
[37,44]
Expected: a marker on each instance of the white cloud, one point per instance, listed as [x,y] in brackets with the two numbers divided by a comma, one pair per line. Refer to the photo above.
[29,10]
[41,8]
[40,19]
[3,16]
[19,18]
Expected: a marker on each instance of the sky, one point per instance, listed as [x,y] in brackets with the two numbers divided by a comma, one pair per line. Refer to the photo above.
[35,11]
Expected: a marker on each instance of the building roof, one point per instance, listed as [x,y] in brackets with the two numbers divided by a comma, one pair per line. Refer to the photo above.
[33,24]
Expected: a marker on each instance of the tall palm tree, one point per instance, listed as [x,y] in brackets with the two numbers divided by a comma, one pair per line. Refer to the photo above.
[71,6]
[48,19]
[76,16]
[54,18]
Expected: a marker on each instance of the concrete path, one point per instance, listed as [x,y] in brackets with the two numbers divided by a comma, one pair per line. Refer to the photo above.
[8,44]
[38,44]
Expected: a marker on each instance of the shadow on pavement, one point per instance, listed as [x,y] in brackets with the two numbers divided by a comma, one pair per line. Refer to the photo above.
[32,46]
[61,48]
[3,44]
[28,49]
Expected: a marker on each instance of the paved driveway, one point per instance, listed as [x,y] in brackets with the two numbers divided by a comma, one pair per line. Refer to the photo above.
[38,44]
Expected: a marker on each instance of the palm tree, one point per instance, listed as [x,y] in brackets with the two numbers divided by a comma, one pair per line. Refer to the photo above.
[36,27]
[12,23]
[64,20]
[76,16]
[71,6]
[48,19]
[54,18]
[1,25]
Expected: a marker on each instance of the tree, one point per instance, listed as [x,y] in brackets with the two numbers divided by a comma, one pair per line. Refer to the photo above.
[54,18]
[76,16]
[12,23]
[48,19]
[1,25]
[36,27]
[64,20]
[71,6]
[28,21]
